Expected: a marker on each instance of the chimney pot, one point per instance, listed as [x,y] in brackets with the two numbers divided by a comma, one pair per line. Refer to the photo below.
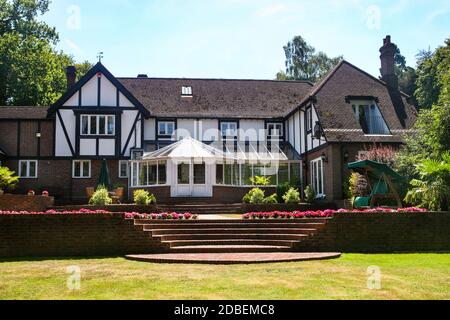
[71,75]
[387,63]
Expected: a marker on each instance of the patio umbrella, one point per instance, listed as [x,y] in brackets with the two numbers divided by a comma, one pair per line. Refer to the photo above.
[103,179]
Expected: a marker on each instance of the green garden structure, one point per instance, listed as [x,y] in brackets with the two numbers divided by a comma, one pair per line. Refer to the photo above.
[382,182]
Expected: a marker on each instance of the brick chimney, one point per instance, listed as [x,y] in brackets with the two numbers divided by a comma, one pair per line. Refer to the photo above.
[387,63]
[71,74]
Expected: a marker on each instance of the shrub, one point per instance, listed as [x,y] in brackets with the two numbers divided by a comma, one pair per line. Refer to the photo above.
[292,196]
[310,194]
[257,196]
[100,197]
[358,185]
[142,197]
[260,181]
[8,180]
[271,199]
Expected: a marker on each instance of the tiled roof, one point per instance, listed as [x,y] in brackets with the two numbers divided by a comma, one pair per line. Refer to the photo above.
[217,97]
[23,113]
[336,113]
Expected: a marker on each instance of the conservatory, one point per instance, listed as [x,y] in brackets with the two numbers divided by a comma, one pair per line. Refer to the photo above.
[192,168]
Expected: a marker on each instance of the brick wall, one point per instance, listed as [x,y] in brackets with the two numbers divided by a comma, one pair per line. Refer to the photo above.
[72,235]
[12,202]
[383,232]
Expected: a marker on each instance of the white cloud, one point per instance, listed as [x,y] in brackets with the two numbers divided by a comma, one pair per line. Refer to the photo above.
[271,10]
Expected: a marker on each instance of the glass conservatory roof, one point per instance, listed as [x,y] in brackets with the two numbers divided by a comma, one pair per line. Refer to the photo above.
[190,148]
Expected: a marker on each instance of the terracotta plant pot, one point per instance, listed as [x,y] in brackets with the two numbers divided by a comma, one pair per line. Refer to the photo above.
[90,192]
[120,192]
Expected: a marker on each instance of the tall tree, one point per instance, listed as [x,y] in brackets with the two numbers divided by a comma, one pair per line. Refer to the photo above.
[406,76]
[431,72]
[303,63]
[32,72]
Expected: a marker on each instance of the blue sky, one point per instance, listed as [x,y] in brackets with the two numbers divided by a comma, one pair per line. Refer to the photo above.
[240,38]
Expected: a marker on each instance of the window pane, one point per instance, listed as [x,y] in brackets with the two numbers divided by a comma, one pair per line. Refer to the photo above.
[134,174]
[77,169]
[295,173]
[320,174]
[162,173]
[219,174]
[183,173]
[152,169]
[84,125]
[93,125]
[247,174]
[199,173]
[32,172]
[236,180]
[101,125]
[142,179]
[86,169]
[111,125]
[23,169]
[283,173]
[123,169]
[170,128]
[228,174]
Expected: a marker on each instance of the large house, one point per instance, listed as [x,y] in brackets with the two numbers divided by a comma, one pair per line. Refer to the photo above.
[204,138]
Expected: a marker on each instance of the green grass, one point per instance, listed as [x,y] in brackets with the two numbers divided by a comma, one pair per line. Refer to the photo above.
[404,276]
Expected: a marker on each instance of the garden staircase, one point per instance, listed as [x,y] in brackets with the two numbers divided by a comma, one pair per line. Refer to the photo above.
[201,208]
[214,236]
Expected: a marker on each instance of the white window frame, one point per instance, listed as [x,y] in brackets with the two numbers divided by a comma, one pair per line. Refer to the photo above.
[82,162]
[27,174]
[96,118]
[275,125]
[165,125]
[315,183]
[309,118]
[186,91]
[122,162]
[228,124]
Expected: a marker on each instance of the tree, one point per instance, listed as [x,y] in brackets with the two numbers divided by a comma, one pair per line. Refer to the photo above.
[406,75]
[432,190]
[8,179]
[83,68]
[20,16]
[32,72]
[303,63]
[431,72]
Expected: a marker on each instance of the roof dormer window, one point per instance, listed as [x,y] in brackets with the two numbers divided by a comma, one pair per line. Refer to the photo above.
[370,118]
[186,91]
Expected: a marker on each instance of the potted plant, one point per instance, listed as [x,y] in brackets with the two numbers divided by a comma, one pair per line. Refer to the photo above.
[119,190]
[31,192]
[45,193]
[8,180]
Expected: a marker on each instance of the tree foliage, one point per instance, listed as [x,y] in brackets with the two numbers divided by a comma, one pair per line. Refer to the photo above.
[8,178]
[432,71]
[32,72]
[432,190]
[304,63]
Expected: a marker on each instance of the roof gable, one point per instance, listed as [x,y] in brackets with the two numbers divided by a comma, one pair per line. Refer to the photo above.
[334,110]
[88,79]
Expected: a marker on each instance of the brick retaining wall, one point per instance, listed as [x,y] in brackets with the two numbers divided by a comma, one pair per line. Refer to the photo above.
[383,232]
[15,202]
[111,234]
[72,235]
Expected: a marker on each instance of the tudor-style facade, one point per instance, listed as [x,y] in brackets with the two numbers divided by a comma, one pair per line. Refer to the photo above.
[139,125]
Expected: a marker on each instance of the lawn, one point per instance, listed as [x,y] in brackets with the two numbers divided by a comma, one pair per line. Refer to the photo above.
[404,276]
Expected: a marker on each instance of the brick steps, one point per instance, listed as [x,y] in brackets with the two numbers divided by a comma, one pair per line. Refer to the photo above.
[209,231]
[225,236]
[231,236]
[202,208]
[229,248]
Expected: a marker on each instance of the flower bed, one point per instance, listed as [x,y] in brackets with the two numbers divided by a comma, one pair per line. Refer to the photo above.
[55,212]
[322,213]
[161,216]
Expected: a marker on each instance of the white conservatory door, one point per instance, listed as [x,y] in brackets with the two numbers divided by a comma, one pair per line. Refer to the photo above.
[192,180]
